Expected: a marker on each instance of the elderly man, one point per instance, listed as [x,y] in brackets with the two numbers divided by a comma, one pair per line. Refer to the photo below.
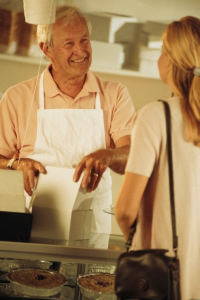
[67,116]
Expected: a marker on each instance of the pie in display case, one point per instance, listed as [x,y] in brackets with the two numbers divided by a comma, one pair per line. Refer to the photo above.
[71,260]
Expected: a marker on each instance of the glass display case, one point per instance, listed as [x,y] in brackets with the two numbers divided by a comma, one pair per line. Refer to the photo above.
[69,258]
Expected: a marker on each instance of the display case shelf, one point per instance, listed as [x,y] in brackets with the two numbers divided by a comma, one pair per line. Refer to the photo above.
[44,62]
[60,251]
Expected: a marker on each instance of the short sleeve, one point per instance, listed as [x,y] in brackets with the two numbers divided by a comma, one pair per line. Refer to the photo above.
[146,139]
[7,125]
[123,114]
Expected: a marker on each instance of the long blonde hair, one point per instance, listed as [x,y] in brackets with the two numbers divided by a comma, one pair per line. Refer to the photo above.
[182,44]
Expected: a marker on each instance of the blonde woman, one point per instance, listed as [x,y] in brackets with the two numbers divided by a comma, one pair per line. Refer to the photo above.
[145,189]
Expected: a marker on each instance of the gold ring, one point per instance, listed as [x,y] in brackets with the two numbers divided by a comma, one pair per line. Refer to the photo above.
[95,174]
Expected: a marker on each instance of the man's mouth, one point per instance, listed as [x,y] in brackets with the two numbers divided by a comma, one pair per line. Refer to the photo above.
[78,60]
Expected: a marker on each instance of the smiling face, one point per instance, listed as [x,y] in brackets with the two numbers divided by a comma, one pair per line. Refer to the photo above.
[71,53]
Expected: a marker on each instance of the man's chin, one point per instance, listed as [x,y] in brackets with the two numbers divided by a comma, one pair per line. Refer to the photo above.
[82,69]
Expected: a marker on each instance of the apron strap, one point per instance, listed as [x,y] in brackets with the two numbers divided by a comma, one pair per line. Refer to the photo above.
[41,92]
[97,102]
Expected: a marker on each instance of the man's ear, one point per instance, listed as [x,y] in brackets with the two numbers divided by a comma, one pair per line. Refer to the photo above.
[45,49]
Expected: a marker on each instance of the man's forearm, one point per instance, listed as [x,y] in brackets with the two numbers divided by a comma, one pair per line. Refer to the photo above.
[115,159]
[118,159]
[97,162]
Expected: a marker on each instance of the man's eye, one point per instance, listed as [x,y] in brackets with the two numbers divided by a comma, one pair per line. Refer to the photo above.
[68,44]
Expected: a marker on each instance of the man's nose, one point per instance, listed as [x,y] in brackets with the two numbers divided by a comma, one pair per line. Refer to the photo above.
[78,49]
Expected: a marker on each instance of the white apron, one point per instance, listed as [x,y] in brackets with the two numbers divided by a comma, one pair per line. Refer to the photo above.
[64,137]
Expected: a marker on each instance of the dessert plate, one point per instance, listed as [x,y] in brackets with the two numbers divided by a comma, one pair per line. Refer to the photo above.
[36,282]
[102,282]
[110,210]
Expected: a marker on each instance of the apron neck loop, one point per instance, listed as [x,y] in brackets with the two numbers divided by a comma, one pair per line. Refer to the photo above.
[97,101]
[41,92]
[41,95]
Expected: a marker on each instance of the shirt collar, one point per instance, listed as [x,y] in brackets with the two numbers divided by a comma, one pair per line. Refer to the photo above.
[91,84]
[51,88]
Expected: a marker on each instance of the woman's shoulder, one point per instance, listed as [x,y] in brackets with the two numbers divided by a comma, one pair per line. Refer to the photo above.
[149,113]
[154,110]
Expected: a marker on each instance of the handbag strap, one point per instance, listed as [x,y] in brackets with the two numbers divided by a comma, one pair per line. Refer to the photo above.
[171,184]
[171,175]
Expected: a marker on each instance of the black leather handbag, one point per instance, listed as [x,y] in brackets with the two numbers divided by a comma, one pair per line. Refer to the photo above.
[151,274]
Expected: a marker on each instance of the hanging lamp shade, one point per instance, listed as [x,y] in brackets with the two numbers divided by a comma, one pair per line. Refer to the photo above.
[39,12]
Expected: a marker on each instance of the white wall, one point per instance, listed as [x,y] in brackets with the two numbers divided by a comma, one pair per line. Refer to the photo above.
[143,9]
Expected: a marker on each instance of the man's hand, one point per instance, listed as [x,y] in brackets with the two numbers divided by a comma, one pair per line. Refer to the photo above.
[93,166]
[31,169]
[97,162]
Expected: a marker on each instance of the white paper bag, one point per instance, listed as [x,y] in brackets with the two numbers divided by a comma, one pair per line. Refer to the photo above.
[52,208]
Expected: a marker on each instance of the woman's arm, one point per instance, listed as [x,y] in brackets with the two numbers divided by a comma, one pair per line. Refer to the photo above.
[128,200]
